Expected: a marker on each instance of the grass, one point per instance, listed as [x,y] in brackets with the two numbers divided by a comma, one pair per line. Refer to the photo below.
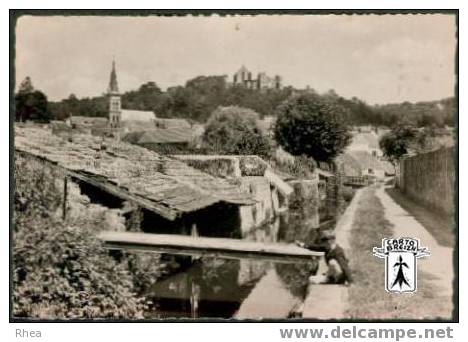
[368,298]
[439,225]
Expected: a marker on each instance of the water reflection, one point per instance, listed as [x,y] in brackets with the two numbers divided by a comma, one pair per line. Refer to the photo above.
[213,287]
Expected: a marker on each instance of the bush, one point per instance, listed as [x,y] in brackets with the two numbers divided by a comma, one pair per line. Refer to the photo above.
[60,269]
[302,167]
[234,130]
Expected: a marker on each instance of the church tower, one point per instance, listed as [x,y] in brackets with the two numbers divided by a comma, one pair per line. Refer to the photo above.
[115,109]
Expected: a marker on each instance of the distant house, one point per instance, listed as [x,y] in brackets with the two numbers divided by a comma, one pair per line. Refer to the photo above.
[367,142]
[87,122]
[364,164]
[162,140]
[89,125]
[171,123]
[266,125]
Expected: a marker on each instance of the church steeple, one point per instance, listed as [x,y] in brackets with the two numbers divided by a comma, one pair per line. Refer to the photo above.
[113,85]
[115,109]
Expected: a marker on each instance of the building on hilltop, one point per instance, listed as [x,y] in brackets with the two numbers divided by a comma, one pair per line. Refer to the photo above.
[243,77]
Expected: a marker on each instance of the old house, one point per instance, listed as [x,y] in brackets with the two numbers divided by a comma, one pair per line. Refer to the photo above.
[362,164]
[255,177]
[155,193]
[367,142]
[162,140]
[165,123]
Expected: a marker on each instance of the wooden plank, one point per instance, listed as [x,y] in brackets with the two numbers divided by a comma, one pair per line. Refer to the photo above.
[204,246]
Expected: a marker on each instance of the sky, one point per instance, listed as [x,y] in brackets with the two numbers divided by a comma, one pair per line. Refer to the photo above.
[377,58]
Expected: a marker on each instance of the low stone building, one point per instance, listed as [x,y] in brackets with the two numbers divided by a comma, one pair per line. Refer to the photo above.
[255,177]
[162,140]
[155,193]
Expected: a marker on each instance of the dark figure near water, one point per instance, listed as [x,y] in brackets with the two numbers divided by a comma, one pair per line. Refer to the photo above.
[338,269]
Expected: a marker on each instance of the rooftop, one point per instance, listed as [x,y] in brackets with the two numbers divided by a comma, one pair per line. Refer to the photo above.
[158,183]
[137,115]
[159,136]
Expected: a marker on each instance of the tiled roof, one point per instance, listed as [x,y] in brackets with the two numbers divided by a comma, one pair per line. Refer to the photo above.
[172,123]
[159,136]
[153,181]
[90,121]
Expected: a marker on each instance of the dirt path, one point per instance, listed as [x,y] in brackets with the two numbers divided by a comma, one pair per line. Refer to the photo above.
[438,268]
[331,301]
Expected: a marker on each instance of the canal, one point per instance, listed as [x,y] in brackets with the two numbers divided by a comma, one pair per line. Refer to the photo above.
[224,288]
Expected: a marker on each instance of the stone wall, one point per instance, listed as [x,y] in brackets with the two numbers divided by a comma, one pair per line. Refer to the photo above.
[429,178]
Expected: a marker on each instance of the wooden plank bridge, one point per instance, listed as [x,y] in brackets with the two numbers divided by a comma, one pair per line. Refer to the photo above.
[206,246]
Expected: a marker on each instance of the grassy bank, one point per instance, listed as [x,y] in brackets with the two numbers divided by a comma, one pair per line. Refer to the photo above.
[367,296]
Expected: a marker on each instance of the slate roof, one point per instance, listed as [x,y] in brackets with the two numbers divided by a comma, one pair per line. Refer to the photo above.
[159,136]
[172,123]
[88,121]
[153,181]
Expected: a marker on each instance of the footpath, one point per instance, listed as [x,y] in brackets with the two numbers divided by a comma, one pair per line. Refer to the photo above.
[438,267]
[324,301]
[331,301]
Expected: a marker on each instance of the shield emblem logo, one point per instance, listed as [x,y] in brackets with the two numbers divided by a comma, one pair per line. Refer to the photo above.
[400,263]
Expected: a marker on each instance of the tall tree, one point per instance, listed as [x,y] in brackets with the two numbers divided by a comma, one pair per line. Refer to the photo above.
[312,125]
[31,104]
[395,144]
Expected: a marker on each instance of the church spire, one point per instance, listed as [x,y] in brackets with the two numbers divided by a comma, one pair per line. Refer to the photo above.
[113,85]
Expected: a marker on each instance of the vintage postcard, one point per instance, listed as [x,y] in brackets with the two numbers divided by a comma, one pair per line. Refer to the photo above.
[174,166]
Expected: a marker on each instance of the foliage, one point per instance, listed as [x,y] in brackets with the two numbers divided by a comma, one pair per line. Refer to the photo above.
[60,269]
[72,106]
[302,167]
[201,95]
[31,104]
[233,130]
[395,144]
[26,86]
[312,125]
[252,166]
[216,167]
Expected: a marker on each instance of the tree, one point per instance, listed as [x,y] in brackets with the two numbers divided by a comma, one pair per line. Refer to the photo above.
[26,86]
[312,125]
[396,143]
[234,130]
[32,106]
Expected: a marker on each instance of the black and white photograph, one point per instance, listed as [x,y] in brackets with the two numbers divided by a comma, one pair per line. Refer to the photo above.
[234,166]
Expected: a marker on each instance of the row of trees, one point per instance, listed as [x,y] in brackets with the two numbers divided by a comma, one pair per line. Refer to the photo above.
[202,95]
